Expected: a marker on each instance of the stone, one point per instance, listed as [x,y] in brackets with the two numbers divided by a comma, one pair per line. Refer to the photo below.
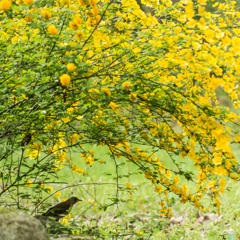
[17,225]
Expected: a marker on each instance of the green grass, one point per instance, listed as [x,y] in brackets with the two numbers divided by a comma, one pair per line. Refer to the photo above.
[139,215]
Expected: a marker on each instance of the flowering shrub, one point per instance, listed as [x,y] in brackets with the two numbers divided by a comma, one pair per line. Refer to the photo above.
[103,72]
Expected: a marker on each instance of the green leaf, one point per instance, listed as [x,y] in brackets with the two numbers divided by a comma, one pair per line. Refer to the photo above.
[231,236]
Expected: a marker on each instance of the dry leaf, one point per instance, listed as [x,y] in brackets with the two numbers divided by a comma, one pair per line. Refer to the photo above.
[177,221]
[207,217]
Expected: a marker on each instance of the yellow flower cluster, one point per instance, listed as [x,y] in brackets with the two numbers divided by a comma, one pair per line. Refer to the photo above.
[66,120]
[79,36]
[71,66]
[133,97]
[114,107]
[126,85]
[52,30]
[65,79]
[158,189]
[106,91]
[75,24]
[5,5]
[28,2]
[28,18]
[75,168]
[29,183]
[58,194]
[46,14]
[73,138]
[88,159]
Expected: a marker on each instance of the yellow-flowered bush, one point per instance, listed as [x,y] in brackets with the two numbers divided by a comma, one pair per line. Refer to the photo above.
[106,74]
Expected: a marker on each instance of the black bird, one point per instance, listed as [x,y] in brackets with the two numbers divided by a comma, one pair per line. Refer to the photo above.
[61,209]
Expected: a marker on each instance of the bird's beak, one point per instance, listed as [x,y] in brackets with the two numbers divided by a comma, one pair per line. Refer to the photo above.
[79,200]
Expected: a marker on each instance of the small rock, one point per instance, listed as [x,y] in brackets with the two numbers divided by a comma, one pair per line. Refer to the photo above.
[17,225]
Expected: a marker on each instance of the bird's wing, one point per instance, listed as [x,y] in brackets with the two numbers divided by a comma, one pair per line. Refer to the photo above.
[57,210]
[54,211]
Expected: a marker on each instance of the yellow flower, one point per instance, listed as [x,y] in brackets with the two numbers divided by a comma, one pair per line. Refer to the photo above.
[5,5]
[79,117]
[176,180]
[177,30]
[113,105]
[217,160]
[201,10]
[158,189]
[100,161]
[162,204]
[64,200]
[78,20]
[46,14]
[185,188]
[29,183]
[148,174]
[58,194]
[79,36]
[49,188]
[197,204]
[66,120]
[93,90]
[189,10]
[65,79]
[73,138]
[74,25]
[202,2]
[95,11]
[53,30]
[128,185]
[28,18]
[221,171]
[91,152]
[43,186]
[80,171]
[106,91]
[98,17]
[126,85]
[83,3]
[211,184]
[92,3]
[82,135]
[133,97]
[236,138]
[71,66]
[64,221]
[65,2]
[168,173]
[74,167]
[90,201]
[28,2]
[36,146]
[70,110]
[222,183]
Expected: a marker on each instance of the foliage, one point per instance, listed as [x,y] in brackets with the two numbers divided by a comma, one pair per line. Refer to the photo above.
[138,217]
[75,73]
